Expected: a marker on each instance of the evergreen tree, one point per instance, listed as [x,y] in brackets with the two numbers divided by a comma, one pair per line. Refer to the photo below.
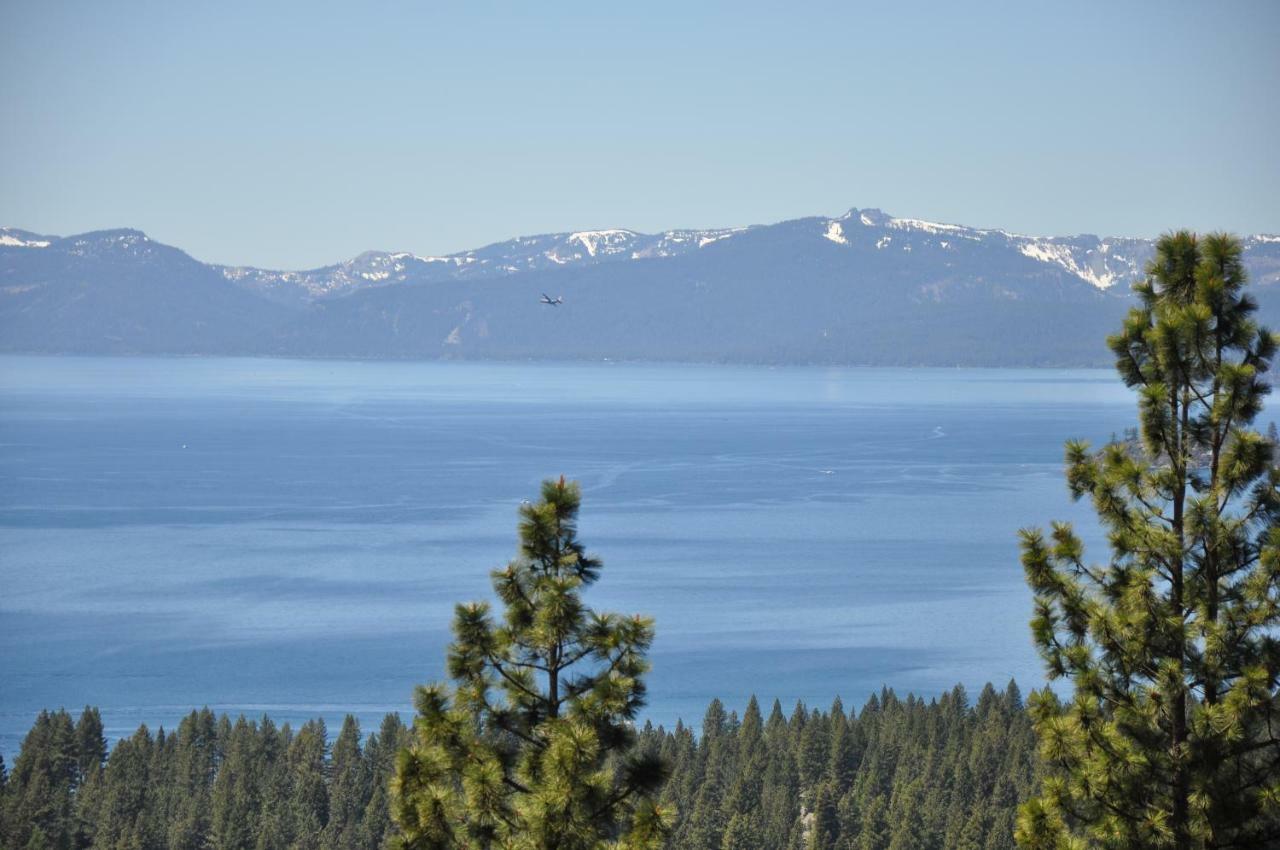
[195,762]
[4,787]
[533,747]
[742,833]
[125,815]
[280,766]
[91,745]
[91,754]
[825,827]
[40,795]
[349,790]
[380,754]
[815,740]
[875,825]
[308,794]
[1167,740]
[237,792]
[747,785]
[843,766]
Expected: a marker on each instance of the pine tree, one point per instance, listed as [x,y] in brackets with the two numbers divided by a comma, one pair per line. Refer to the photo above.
[825,829]
[875,825]
[4,788]
[751,759]
[235,802]
[533,746]
[195,761]
[124,817]
[843,764]
[91,754]
[308,797]
[380,753]
[40,793]
[1167,739]
[349,790]
[279,764]
[742,833]
[815,743]
[91,745]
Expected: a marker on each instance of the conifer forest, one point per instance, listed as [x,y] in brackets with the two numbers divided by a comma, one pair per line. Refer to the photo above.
[898,772]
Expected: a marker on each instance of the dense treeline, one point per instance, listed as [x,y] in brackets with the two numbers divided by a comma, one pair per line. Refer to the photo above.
[213,783]
[900,773]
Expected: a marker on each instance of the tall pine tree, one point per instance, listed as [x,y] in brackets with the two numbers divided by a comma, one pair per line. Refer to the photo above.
[533,746]
[1169,738]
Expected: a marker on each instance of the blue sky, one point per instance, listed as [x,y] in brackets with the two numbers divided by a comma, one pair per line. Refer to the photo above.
[296,134]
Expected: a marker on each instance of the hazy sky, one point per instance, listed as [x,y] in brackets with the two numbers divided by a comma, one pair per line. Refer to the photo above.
[295,134]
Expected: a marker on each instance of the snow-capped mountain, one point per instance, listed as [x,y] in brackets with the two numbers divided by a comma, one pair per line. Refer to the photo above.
[1101,262]
[862,287]
[523,254]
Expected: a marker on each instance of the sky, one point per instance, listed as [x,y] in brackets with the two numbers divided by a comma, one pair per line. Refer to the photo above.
[295,134]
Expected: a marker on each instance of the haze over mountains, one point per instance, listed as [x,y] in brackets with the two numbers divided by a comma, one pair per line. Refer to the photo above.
[863,288]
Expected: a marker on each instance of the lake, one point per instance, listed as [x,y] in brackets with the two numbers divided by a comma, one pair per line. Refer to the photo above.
[290,537]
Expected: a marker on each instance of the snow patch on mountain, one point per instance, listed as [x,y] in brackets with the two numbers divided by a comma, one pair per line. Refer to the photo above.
[602,241]
[10,241]
[835,233]
[1096,265]
[457,261]
[931,227]
[708,237]
[1047,253]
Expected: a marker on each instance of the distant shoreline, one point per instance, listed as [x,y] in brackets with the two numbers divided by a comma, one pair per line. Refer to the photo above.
[558,361]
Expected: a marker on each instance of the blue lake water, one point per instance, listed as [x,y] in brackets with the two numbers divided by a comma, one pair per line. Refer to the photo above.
[290,537]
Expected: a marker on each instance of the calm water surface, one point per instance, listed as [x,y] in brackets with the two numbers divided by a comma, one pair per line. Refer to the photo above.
[290,537]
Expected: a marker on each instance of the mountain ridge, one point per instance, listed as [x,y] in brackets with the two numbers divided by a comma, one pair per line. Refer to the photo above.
[861,288]
[565,248]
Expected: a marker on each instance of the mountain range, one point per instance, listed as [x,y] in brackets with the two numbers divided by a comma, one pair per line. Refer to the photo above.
[863,288]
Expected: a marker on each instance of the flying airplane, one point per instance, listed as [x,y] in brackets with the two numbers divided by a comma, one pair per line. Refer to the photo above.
[554,302]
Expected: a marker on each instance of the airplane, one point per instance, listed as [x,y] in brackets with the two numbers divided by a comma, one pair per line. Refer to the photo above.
[554,302]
